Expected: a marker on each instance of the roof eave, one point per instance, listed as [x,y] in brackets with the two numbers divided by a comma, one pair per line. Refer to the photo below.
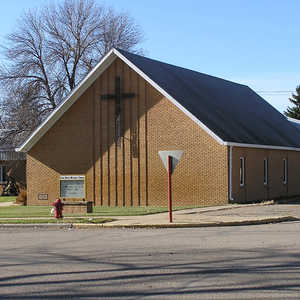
[271,147]
[80,88]
[92,76]
[169,97]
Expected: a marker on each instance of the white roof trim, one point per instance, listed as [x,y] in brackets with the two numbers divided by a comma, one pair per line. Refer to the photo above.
[80,88]
[169,97]
[260,146]
[84,84]
[293,120]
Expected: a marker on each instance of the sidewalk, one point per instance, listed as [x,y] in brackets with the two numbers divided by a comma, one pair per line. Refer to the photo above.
[228,215]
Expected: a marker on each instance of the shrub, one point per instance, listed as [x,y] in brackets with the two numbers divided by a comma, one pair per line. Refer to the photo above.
[22,198]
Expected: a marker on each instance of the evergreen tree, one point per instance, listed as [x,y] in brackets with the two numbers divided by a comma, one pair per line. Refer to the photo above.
[294,112]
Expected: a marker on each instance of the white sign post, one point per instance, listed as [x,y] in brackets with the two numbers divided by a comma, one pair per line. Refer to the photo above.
[170,159]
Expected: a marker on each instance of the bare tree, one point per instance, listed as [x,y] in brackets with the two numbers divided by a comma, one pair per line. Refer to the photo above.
[50,50]
[20,116]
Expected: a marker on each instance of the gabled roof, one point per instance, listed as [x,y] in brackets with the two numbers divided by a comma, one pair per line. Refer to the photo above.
[231,113]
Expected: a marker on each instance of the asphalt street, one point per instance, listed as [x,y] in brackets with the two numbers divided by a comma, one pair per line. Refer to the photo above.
[229,262]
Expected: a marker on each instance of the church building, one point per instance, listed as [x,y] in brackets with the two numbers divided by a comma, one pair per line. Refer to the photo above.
[102,143]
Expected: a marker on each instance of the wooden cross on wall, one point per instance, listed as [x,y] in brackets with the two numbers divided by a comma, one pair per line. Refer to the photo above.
[117,96]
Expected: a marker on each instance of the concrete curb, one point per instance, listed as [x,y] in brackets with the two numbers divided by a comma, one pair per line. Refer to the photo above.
[39,225]
[187,225]
[155,226]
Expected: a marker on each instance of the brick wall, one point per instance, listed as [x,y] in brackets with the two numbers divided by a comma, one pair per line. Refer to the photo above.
[66,148]
[82,141]
[255,189]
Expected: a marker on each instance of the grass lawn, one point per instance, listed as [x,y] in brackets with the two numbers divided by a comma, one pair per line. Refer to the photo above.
[56,221]
[17,211]
[7,199]
[101,214]
[133,211]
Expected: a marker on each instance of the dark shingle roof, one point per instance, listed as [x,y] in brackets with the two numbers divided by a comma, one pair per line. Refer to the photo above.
[231,113]
[234,112]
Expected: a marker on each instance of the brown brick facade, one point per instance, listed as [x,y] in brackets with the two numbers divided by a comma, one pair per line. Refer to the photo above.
[254,188]
[82,142]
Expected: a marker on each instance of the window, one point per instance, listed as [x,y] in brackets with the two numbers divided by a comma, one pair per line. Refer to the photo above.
[265,171]
[285,171]
[3,176]
[242,171]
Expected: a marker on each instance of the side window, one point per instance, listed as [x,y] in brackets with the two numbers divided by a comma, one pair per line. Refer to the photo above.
[242,171]
[285,179]
[265,171]
[3,176]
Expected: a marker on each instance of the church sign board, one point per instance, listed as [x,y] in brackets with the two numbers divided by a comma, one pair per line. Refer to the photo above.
[72,186]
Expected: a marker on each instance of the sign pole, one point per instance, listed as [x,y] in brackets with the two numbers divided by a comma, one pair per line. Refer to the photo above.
[170,160]
[170,186]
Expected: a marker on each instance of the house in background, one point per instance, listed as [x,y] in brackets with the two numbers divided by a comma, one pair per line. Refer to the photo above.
[12,165]
[101,143]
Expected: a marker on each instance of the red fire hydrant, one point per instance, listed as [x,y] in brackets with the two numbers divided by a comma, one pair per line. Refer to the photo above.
[58,207]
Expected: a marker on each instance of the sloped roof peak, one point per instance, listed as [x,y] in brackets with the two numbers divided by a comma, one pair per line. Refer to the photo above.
[231,113]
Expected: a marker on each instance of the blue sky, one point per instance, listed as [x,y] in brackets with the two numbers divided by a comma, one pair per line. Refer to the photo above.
[253,42]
